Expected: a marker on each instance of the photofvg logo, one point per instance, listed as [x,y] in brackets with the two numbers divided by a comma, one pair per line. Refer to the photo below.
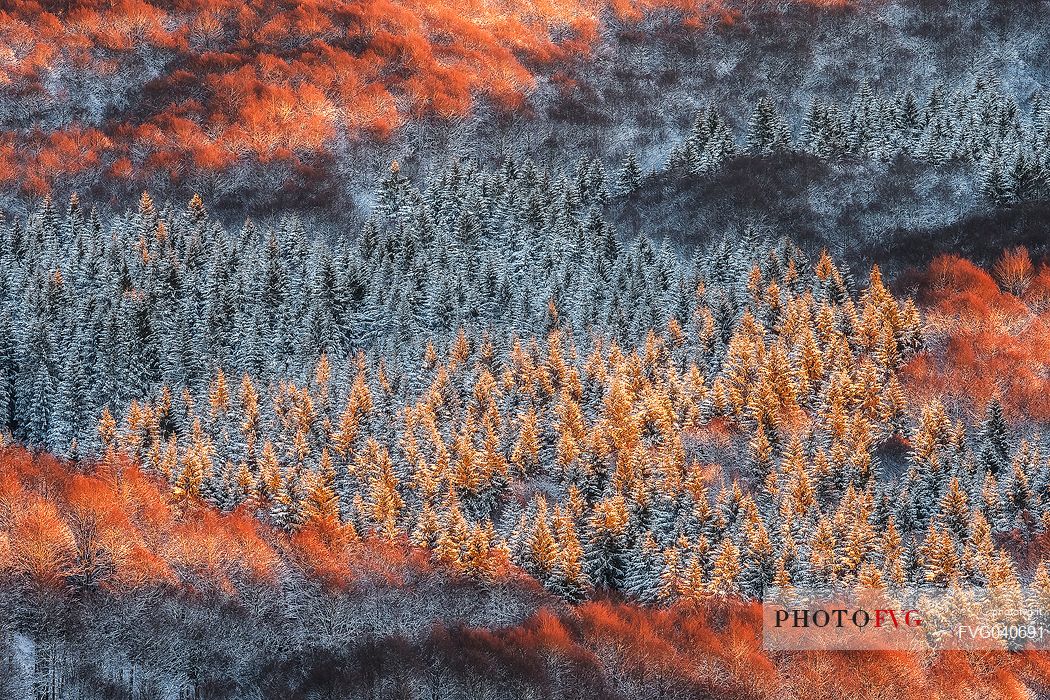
[913,619]
[841,618]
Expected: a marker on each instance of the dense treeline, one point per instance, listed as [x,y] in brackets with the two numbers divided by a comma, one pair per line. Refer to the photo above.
[111,591]
[889,175]
[1006,146]
[267,100]
[604,360]
[102,315]
[269,106]
[490,372]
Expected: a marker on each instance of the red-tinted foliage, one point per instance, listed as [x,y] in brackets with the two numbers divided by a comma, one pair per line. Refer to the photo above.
[114,528]
[715,651]
[178,89]
[985,342]
[118,528]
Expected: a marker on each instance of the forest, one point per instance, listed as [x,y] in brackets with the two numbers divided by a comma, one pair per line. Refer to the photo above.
[405,350]
[258,409]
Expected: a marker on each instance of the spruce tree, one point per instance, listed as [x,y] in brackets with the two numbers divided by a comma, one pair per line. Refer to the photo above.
[767,131]
[993,448]
[630,177]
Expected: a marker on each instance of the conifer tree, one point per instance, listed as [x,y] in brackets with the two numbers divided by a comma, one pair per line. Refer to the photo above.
[644,578]
[995,183]
[692,587]
[568,578]
[993,448]
[606,550]
[322,503]
[630,177]
[940,557]
[725,571]
[767,131]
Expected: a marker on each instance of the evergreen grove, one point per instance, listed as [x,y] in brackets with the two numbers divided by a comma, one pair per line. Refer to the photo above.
[492,372]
